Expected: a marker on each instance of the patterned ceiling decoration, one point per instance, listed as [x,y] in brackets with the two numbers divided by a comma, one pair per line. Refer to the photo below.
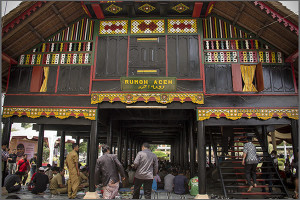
[180,8]
[146,8]
[113,27]
[148,26]
[182,26]
[238,113]
[61,113]
[163,98]
[113,9]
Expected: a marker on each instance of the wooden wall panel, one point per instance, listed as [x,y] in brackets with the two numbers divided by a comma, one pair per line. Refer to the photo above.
[111,57]
[237,82]
[36,79]
[218,78]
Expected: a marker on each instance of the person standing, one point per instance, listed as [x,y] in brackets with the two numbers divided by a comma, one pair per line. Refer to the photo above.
[32,163]
[5,156]
[12,162]
[250,161]
[40,182]
[72,165]
[146,165]
[22,167]
[108,168]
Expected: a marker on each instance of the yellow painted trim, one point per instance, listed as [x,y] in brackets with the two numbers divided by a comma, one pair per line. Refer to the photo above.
[235,114]
[61,113]
[146,39]
[163,98]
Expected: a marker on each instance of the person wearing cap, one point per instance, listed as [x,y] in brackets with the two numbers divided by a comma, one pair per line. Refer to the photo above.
[40,181]
[83,177]
[72,165]
[56,183]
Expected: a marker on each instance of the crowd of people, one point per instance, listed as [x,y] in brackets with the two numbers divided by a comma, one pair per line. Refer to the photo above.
[146,173]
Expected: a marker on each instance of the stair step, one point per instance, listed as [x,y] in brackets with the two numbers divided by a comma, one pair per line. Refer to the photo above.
[242,173]
[240,161]
[244,180]
[244,167]
[256,193]
[243,141]
[246,186]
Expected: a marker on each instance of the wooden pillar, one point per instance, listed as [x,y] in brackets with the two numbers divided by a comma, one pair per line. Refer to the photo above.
[178,150]
[134,149]
[265,137]
[93,158]
[201,158]
[192,149]
[295,138]
[130,150]
[126,150]
[185,146]
[209,154]
[110,135]
[40,146]
[78,142]
[120,146]
[273,140]
[88,153]
[6,130]
[62,149]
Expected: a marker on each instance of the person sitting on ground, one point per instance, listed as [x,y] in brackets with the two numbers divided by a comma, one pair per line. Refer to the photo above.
[169,181]
[180,183]
[193,185]
[40,182]
[12,182]
[56,183]
[49,172]
[163,172]
[83,178]
[157,179]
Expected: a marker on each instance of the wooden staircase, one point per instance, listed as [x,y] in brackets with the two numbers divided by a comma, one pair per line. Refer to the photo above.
[231,170]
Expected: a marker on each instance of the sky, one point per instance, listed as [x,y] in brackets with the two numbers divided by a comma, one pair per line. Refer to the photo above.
[7,6]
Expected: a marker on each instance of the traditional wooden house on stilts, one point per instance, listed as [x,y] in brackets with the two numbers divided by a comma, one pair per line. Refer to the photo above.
[176,73]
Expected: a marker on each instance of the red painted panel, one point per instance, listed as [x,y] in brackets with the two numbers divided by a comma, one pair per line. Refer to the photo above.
[236,78]
[36,79]
[259,77]
[98,11]
[197,9]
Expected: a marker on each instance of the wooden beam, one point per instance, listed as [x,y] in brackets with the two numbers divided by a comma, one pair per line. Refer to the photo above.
[27,20]
[37,26]
[163,9]
[35,32]
[292,57]
[8,59]
[197,9]
[239,14]
[98,11]
[261,30]
[59,15]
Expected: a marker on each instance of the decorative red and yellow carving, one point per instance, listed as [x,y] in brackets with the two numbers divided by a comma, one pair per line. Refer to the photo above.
[238,113]
[163,98]
[61,113]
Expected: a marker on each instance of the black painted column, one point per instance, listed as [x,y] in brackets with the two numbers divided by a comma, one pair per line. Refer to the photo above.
[62,149]
[40,146]
[6,130]
[192,149]
[130,150]
[120,145]
[201,158]
[110,134]
[295,138]
[265,137]
[88,152]
[78,142]
[185,146]
[93,158]
[126,149]
[209,154]
[134,149]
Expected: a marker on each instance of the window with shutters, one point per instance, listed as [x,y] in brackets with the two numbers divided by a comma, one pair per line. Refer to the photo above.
[247,78]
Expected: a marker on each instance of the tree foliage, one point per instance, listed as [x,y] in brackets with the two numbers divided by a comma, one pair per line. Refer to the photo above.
[160,154]
[26,125]
[46,154]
